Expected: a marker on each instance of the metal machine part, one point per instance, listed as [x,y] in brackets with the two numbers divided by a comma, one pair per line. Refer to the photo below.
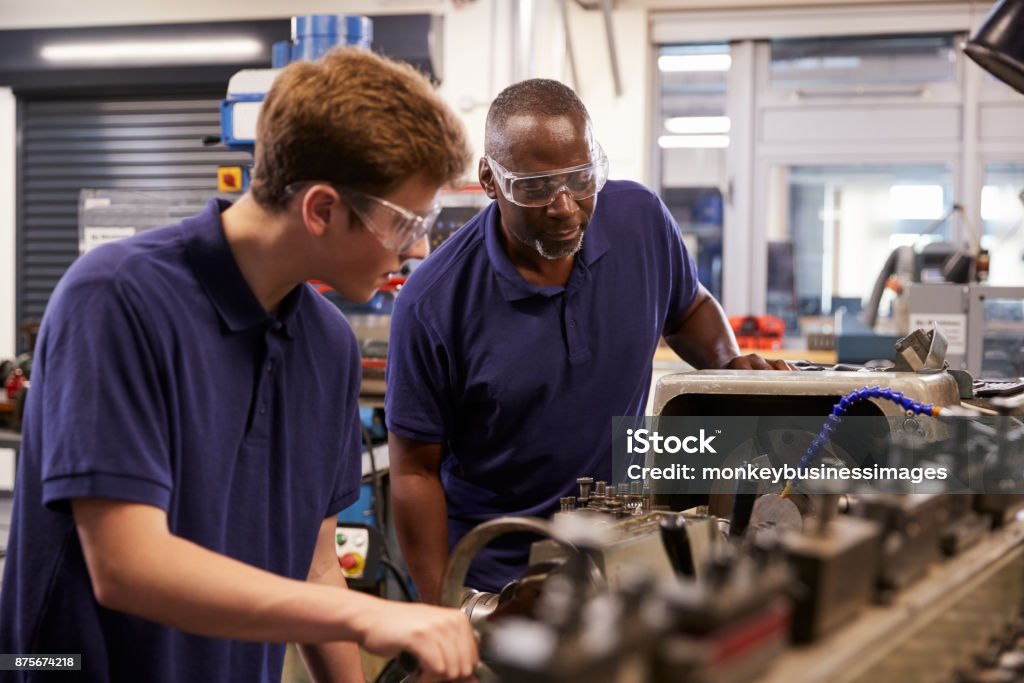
[452,584]
[921,350]
[1009,405]
[631,499]
[725,628]
[912,526]
[586,623]
[982,323]
[586,484]
[689,539]
[730,627]
[750,392]
[695,597]
[836,563]
[930,632]
[627,543]
[771,511]
[1001,508]
[575,636]
[965,528]
[731,623]
[479,605]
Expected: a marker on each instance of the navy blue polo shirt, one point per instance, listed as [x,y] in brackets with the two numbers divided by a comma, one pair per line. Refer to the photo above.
[160,379]
[520,382]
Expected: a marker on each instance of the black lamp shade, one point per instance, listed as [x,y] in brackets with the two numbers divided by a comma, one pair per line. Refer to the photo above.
[998,46]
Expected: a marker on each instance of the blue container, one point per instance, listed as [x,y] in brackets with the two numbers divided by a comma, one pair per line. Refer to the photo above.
[315,34]
[281,54]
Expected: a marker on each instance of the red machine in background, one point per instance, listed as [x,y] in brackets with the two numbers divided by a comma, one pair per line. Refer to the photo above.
[758,331]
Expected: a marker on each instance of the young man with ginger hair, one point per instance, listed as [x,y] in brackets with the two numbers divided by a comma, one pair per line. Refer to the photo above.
[192,430]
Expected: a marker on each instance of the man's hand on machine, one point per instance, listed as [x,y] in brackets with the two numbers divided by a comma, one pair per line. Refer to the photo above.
[441,639]
[752,361]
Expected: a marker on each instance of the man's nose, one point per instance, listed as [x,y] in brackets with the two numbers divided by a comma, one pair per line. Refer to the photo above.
[563,204]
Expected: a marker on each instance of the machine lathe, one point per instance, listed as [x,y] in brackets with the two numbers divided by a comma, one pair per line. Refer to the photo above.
[769,582]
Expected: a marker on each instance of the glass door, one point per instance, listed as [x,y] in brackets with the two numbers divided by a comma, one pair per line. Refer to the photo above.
[831,229]
[693,136]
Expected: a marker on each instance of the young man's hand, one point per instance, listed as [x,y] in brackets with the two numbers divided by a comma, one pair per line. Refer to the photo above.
[440,638]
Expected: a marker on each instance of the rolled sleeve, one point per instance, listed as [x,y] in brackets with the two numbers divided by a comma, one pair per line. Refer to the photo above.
[418,384]
[105,431]
[58,491]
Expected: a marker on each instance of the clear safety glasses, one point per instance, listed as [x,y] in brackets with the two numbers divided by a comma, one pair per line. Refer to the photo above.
[541,189]
[397,228]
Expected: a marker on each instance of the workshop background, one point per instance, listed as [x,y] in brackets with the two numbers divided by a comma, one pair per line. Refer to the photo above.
[797,143]
[841,171]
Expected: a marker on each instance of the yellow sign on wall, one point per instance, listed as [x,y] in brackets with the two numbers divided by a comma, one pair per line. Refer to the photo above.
[229,179]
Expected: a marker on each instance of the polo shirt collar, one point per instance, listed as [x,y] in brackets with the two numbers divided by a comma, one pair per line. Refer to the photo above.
[595,240]
[512,284]
[217,272]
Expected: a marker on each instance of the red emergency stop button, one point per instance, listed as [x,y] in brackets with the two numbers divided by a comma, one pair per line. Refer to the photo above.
[352,564]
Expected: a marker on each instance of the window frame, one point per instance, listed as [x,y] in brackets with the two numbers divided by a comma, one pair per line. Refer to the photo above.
[970,102]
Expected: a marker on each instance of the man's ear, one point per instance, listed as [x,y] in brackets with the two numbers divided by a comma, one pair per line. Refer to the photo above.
[486,178]
[319,205]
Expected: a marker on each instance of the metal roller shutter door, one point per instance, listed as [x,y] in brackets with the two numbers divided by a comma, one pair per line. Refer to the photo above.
[152,144]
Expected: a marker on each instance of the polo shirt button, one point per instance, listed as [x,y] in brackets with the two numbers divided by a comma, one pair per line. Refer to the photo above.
[572,323]
[270,366]
[263,409]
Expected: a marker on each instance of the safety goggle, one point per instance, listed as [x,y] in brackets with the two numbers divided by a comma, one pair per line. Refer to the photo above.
[541,189]
[397,228]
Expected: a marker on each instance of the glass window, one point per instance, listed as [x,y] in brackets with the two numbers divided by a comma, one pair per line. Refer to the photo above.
[807,62]
[831,229]
[1003,338]
[1002,215]
[693,134]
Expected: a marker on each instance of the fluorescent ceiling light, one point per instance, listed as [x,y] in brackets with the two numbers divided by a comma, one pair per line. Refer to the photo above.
[176,51]
[841,62]
[697,125]
[693,141]
[916,202]
[817,63]
[694,62]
